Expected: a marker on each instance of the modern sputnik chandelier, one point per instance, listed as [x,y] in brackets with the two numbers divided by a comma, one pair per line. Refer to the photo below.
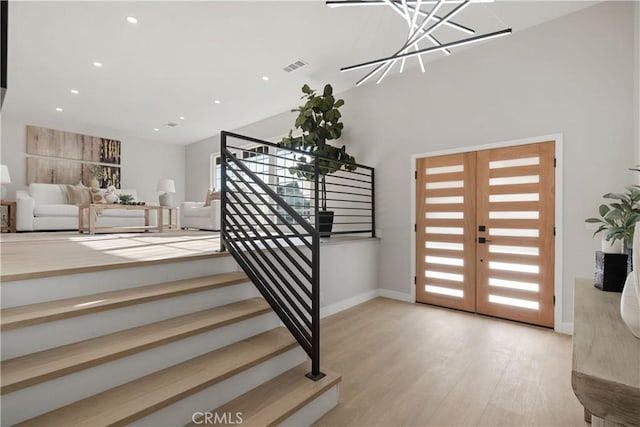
[422,19]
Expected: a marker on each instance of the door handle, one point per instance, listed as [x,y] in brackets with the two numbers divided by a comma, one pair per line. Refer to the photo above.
[483,240]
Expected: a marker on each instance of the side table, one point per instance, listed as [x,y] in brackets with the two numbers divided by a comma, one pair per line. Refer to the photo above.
[173,218]
[8,216]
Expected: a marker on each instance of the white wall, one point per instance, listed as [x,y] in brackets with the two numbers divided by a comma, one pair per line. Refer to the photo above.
[573,76]
[143,162]
[636,77]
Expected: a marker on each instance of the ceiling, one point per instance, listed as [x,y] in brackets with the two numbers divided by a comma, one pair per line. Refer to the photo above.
[182,56]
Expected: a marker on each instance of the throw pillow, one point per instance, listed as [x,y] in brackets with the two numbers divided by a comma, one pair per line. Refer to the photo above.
[78,195]
[110,195]
[99,196]
[211,195]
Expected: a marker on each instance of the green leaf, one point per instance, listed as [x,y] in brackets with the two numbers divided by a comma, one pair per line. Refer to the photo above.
[593,220]
[614,196]
[340,102]
[306,89]
[603,210]
[328,90]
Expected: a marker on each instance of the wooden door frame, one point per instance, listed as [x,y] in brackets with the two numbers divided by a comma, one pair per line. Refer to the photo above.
[560,325]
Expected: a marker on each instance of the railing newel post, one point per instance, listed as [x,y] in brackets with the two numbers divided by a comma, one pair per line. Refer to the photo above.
[373,202]
[315,373]
[223,190]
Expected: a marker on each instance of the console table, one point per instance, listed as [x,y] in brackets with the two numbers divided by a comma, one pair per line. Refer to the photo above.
[605,374]
[92,228]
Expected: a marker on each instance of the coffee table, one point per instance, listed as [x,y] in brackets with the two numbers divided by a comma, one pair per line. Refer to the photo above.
[93,209]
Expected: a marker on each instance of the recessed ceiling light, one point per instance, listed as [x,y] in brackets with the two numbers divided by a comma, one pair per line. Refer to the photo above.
[265,78]
[97,64]
[156,129]
[181,117]
[58,109]
[217,101]
[132,20]
[75,91]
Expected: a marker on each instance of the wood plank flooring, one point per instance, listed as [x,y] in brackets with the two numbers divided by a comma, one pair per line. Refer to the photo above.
[419,365]
[31,255]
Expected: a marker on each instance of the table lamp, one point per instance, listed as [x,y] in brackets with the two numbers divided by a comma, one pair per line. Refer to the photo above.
[4,179]
[168,188]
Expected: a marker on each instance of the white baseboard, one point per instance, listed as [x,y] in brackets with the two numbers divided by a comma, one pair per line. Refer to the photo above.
[400,296]
[348,303]
[564,328]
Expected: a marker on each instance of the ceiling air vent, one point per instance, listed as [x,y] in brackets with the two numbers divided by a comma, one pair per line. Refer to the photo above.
[294,66]
[172,125]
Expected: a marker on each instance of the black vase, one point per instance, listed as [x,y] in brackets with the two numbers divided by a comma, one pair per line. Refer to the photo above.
[325,223]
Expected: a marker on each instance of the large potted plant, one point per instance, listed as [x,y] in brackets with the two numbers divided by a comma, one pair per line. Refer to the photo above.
[319,121]
[618,218]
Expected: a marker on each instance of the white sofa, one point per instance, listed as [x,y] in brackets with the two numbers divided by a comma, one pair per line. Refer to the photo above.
[197,215]
[45,207]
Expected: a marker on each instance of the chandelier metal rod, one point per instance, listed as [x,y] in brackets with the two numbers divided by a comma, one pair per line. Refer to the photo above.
[332,3]
[428,50]
[341,3]
[425,33]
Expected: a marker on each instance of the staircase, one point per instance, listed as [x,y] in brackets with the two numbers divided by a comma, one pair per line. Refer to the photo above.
[156,348]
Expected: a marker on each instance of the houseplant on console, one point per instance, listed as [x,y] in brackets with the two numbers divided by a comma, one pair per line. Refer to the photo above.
[319,121]
[618,218]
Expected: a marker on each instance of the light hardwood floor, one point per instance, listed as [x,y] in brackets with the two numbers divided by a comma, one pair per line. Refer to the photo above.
[30,255]
[418,365]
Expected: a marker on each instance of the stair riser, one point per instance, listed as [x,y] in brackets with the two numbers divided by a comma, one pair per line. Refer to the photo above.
[182,412]
[31,291]
[314,410]
[35,400]
[22,341]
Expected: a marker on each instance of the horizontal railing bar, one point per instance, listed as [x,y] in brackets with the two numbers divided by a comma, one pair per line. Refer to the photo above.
[348,193]
[271,144]
[337,184]
[309,229]
[346,200]
[305,198]
[288,235]
[331,178]
[277,175]
[350,223]
[352,232]
[289,257]
[276,197]
[286,317]
[311,155]
[292,196]
[278,284]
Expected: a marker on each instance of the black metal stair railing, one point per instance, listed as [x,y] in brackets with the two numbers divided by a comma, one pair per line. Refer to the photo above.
[270,225]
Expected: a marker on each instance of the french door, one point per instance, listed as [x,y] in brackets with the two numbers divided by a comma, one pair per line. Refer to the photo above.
[485,232]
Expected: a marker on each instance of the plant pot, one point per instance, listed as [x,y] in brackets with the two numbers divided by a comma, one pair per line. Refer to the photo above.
[611,271]
[325,223]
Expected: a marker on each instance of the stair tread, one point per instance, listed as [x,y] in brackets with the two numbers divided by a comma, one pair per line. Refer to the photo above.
[45,365]
[274,401]
[26,315]
[136,399]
